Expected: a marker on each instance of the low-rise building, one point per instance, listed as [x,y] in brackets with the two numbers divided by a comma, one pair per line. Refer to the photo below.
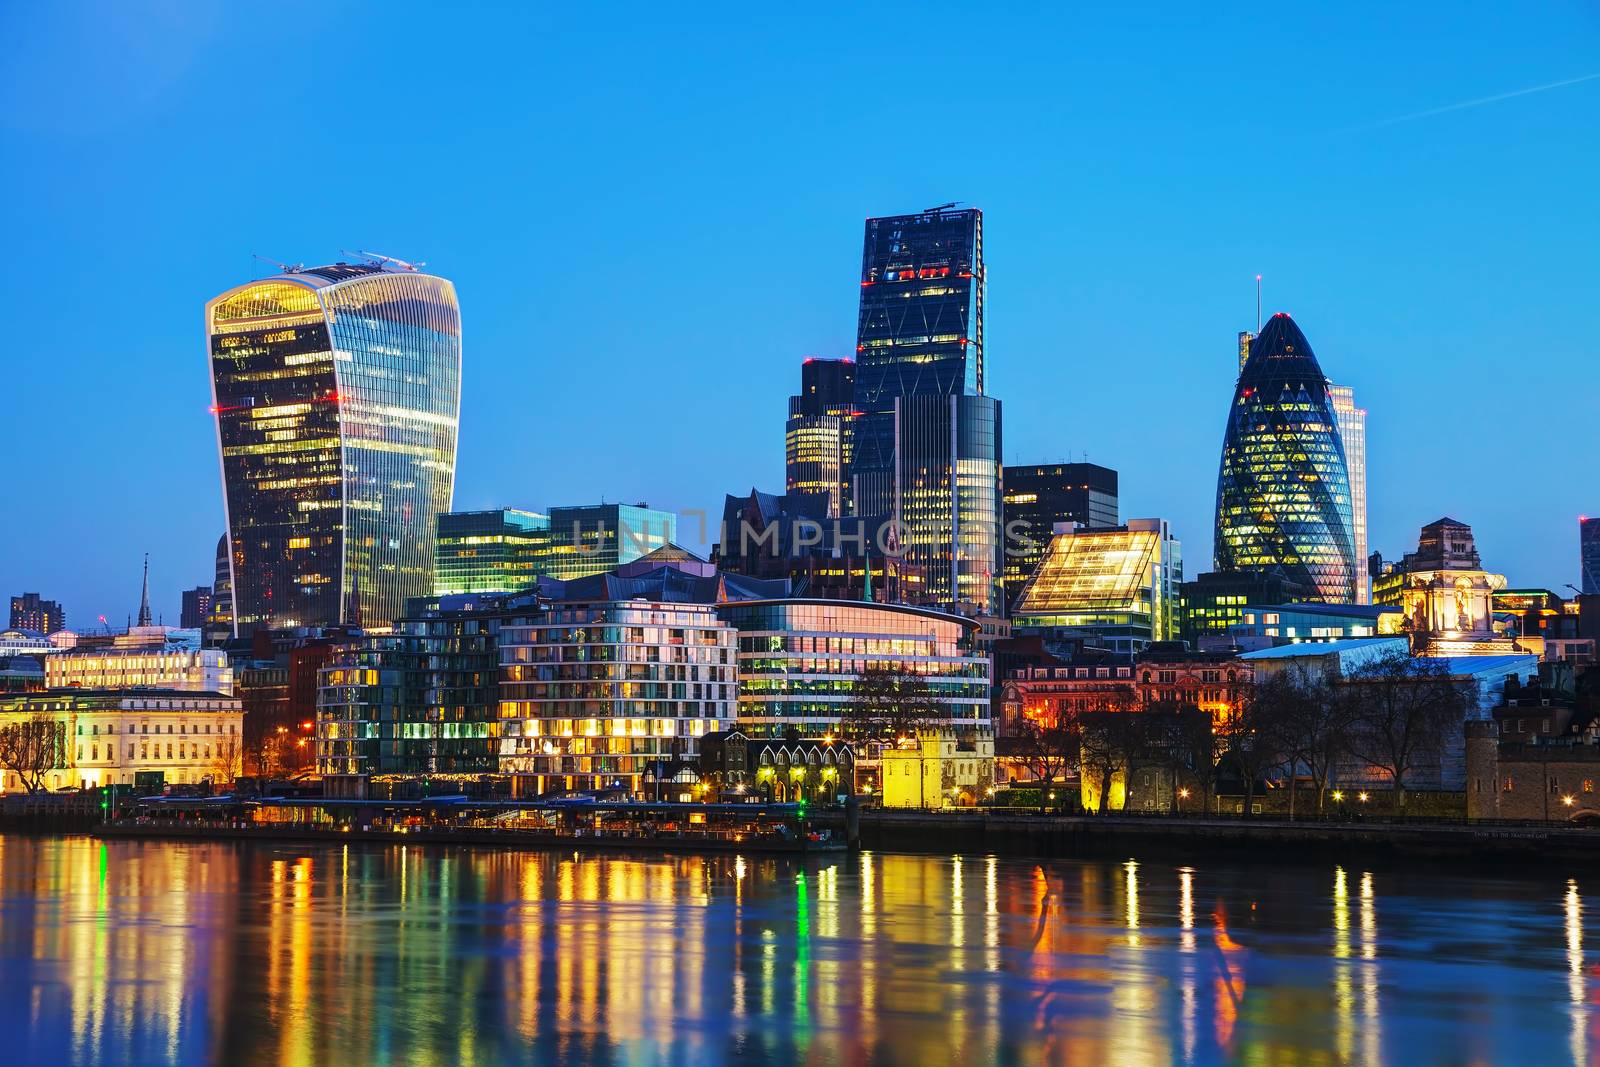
[1118,586]
[939,768]
[193,670]
[108,737]
[1270,625]
[777,769]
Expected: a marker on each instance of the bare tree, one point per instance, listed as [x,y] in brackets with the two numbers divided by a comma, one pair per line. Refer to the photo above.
[1251,732]
[1401,711]
[32,748]
[888,702]
[1312,731]
[225,759]
[1179,737]
[1048,749]
[1107,741]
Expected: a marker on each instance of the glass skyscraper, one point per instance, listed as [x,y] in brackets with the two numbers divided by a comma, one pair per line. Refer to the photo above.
[1037,497]
[337,393]
[926,440]
[498,551]
[1353,435]
[1283,488]
[817,435]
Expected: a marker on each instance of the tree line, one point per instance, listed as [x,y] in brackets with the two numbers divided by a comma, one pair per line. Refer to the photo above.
[1393,714]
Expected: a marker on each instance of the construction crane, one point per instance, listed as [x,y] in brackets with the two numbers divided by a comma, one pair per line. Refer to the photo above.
[379,259]
[287,268]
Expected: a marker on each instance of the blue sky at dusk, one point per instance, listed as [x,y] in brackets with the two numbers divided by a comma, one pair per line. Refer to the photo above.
[653,213]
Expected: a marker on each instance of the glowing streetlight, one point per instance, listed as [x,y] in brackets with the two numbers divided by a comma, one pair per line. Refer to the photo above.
[1361,797]
[1183,794]
[1338,795]
[1569,800]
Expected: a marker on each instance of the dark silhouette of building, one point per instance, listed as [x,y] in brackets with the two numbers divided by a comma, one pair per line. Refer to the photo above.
[196,607]
[32,612]
[1283,488]
[792,536]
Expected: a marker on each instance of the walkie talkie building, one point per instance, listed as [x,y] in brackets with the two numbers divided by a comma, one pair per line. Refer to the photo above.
[337,393]
[1283,491]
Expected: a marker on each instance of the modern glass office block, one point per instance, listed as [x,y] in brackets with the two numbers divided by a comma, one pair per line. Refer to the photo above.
[337,395]
[1283,490]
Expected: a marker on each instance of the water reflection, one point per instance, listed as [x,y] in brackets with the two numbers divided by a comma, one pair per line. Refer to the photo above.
[195,953]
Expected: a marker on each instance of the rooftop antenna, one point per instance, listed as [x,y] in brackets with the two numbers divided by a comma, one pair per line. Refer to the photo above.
[940,207]
[378,259]
[1258,303]
[287,268]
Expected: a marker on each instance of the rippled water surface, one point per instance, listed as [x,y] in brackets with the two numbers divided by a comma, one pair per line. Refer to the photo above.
[157,952]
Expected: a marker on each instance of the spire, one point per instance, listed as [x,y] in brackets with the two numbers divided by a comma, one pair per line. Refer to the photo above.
[352,608]
[867,593]
[144,595]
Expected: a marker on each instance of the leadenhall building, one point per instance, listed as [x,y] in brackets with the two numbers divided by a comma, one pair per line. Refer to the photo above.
[1283,490]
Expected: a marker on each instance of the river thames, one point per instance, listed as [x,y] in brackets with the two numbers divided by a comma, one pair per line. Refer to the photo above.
[180,953]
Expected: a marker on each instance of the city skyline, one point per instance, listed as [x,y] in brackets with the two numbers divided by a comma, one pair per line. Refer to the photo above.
[1431,365]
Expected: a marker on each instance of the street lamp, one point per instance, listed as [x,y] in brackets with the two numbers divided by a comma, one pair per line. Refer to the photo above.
[1569,800]
[1361,797]
[1338,795]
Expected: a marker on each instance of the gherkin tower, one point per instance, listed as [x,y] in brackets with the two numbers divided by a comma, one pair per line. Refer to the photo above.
[1283,490]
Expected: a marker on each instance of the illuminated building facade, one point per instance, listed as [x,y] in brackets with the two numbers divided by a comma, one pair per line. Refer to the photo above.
[1269,625]
[1215,602]
[107,737]
[1283,488]
[919,332]
[419,701]
[1353,435]
[191,670]
[817,437]
[1037,498]
[1117,588]
[1447,596]
[337,396]
[938,768]
[1589,555]
[592,692]
[30,611]
[594,538]
[496,551]
[800,661]
[947,500]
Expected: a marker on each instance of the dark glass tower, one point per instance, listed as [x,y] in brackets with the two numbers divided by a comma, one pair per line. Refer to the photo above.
[919,333]
[1283,491]
[1037,497]
[926,440]
[337,394]
[817,435]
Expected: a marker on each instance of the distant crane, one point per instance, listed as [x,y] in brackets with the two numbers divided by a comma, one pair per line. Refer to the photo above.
[287,268]
[379,259]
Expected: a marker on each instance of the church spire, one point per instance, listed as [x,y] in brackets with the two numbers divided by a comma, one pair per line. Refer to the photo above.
[144,595]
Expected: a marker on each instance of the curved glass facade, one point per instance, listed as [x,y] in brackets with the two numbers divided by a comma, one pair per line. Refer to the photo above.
[947,497]
[799,660]
[337,395]
[1283,490]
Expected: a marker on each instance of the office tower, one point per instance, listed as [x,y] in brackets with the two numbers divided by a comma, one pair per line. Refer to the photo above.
[947,497]
[1245,337]
[196,607]
[337,396]
[496,551]
[596,537]
[1037,497]
[1283,488]
[919,331]
[32,612]
[817,435]
[1589,555]
[791,536]
[1115,588]
[1353,435]
[219,619]
[926,440]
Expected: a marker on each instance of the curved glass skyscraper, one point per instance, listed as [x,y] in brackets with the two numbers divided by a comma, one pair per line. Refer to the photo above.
[1283,491]
[337,392]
